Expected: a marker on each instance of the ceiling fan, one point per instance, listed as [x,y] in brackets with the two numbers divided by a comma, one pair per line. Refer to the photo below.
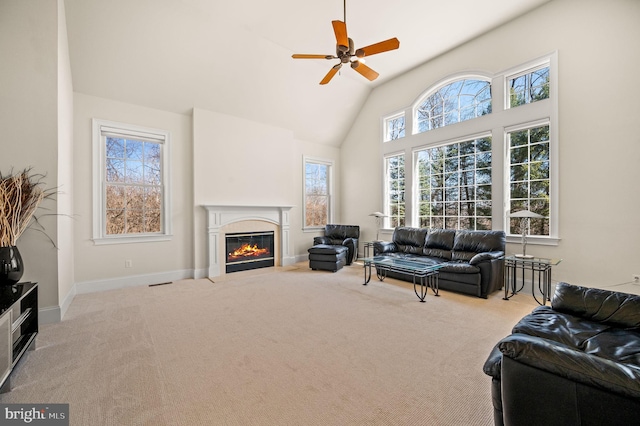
[347,54]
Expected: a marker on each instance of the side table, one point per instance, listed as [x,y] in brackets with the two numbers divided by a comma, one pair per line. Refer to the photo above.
[538,268]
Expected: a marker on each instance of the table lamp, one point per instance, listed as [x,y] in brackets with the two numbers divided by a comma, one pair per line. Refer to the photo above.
[378,216]
[525,217]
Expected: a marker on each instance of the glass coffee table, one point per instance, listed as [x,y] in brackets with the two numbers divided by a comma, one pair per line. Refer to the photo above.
[424,276]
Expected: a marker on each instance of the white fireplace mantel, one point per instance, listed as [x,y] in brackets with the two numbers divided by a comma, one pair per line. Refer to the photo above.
[219,216]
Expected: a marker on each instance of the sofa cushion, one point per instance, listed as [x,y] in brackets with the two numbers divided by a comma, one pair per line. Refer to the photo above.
[468,243]
[410,240]
[609,307]
[327,249]
[459,268]
[567,329]
[439,243]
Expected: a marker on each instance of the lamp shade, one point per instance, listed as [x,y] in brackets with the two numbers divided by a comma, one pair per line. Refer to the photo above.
[526,213]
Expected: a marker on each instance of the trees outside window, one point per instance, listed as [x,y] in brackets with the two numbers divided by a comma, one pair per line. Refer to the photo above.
[394,127]
[317,193]
[131,194]
[529,179]
[395,191]
[531,86]
[458,101]
[454,185]
[473,175]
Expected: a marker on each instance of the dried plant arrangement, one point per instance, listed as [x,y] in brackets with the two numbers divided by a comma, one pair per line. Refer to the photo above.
[20,196]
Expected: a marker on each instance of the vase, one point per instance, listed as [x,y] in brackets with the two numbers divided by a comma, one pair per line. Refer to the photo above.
[11,267]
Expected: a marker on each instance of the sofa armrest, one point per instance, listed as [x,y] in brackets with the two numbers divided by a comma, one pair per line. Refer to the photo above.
[321,240]
[487,255]
[384,247]
[580,367]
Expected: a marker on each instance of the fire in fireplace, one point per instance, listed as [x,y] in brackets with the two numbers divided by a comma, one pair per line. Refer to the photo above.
[249,250]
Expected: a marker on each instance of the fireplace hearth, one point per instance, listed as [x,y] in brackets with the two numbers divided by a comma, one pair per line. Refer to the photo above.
[249,250]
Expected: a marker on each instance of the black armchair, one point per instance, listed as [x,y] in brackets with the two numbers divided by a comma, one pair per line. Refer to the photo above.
[341,235]
[576,362]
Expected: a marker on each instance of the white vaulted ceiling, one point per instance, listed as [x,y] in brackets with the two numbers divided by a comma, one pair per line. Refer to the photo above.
[234,57]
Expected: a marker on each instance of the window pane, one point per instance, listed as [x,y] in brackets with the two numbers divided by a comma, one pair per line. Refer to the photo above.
[317,197]
[528,88]
[394,128]
[467,188]
[395,190]
[457,101]
[135,205]
[529,177]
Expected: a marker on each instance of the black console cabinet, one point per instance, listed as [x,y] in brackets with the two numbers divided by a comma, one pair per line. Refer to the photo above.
[18,326]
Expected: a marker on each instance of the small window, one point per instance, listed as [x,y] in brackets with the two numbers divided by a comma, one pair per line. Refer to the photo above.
[130,183]
[394,127]
[530,86]
[458,101]
[454,185]
[317,193]
[395,191]
[529,182]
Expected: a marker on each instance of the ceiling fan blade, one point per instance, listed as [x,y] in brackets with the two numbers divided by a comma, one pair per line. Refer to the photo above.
[367,72]
[383,46]
[340,29]
[306,56]
[327,78]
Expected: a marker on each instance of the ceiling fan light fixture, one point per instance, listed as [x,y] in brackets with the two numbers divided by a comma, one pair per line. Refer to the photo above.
[346,52]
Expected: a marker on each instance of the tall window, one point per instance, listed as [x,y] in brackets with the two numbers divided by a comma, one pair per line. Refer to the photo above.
[395,190]
[530,86]
[130,183]
[458,101]
[394,127]
[454,185]
[317,193]
[529,176]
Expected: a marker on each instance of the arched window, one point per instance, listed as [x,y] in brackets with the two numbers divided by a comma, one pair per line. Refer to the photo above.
[454,102]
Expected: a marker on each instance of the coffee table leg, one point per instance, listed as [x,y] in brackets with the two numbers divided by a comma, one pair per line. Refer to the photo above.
[433,283]
[423,288]
[367,277]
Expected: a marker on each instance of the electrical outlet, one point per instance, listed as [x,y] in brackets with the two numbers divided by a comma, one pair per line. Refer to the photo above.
[636,278]
[128,263]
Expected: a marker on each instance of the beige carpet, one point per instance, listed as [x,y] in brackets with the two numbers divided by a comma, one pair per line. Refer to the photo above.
[283,346]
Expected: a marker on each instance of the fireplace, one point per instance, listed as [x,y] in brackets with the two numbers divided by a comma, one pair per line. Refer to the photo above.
[222,217]
[249,250]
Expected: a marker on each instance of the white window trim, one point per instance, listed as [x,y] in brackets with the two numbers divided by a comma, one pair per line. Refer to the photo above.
[99,236]
[316,160]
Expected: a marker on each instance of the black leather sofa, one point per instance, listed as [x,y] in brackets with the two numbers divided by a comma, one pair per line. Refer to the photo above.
[473,260]
[576,362]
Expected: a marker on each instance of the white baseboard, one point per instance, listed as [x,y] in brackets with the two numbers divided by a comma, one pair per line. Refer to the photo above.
[49,315]
[131,281]
[53,314]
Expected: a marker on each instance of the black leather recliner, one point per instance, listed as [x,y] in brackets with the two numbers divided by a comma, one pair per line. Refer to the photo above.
[576,362]
[341,235]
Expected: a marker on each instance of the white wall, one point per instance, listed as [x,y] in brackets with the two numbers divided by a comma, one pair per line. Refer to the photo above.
[598,46]
[65,169]
[99,267]
[242,162]
[29,123]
